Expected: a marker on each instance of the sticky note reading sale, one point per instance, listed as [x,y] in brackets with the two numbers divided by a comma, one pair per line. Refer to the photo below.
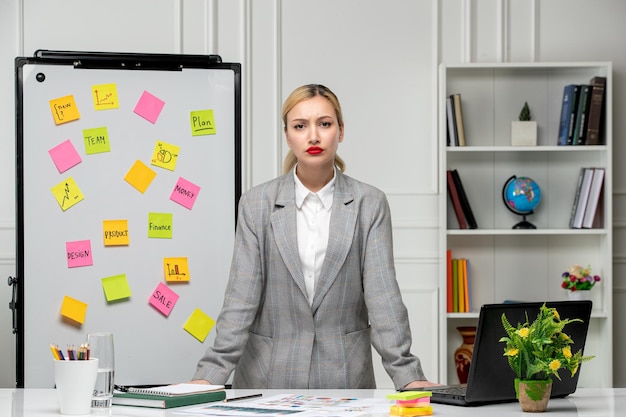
[199,324]
[64,156]
[163,299]
[73,309]
[116,287]
[78,253]
[64,109]
[185,193]
[115,232]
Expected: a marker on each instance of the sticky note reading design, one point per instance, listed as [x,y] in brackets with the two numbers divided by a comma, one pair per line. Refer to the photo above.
[160,225]
[78,253]
[176,269]
[73,309]
[64,109]
[105,96]
[140,176]
[116,287]
[67,193]
[149,107]
[199,324]
[115,232]
[163,299]
[64,156]
[165,155]
[202,123]
[96,140]
[185,193]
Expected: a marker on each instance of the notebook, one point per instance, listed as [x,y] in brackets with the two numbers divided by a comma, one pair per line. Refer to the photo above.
[169,396]
[490,378]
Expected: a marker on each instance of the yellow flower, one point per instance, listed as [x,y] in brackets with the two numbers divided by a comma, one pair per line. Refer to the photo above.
[555,365]
[556,314]
[567,352]
[511,352]
[524,332]
[564,337]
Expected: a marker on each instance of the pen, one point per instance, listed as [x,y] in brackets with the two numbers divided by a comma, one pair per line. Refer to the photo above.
[245,397]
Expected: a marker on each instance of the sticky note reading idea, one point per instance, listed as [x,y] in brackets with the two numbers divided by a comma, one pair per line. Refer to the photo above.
[64,109]
[73,309]
[115,232]
[163,299]
[199,324]
[185,193]
[202,123]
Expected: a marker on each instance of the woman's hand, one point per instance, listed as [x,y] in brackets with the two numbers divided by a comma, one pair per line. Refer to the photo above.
[200,381]
[420,384]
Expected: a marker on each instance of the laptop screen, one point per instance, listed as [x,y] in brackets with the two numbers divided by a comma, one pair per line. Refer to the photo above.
[490,377]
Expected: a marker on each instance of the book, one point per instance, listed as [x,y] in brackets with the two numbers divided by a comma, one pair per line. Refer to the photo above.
[570,93]
[169,396]
[594,197]
[455,285]
[596,111]
[571,117]
[468,285]
[456,202]
[465,205]
[461,285]
[580,128]
[453,138]
[449,298]
[458,118]
[581,198]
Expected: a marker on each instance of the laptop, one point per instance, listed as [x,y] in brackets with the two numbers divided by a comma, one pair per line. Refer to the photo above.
[490,378]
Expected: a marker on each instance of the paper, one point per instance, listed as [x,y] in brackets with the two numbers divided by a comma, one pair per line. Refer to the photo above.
[115,232]
[64,109]
[116,287]
[96,140]
[202,123]
[67,193]
[163,299]
[185,193]
[105,97]
[160,225]
[64,156]
[199,324]
[73,309]
[165,155]
[176,269]
[78,253]
[140,176]
[149,107]
[177,389]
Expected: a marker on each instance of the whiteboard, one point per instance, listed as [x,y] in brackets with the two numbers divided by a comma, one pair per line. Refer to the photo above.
[151,347]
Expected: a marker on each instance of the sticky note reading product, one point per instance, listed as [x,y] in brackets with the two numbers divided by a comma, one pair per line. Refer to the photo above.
[165,155]
[160,225]
[64,156]
[199,324]
[64,109]
[202,123]
[96,140]
[185,193]
[140,176]
[67,193]
[176,269]
[115,232]
[73,309]
[116,287]
[149,107]
[105,97]
[78,253]
[163,299]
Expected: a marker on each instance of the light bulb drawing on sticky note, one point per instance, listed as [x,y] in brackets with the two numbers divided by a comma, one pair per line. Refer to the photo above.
[67,193]
[176,269]
[165,155]
[105,96]
[64,109]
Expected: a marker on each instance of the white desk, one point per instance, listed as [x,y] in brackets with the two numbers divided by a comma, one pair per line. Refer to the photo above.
[33,402]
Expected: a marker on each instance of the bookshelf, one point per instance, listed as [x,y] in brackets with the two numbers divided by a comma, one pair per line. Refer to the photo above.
[523,264]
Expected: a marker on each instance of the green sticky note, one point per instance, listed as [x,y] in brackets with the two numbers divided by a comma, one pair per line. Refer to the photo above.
[116,287]
[199,324]
[202,122]
[160,225]
[96,140]
[409,395]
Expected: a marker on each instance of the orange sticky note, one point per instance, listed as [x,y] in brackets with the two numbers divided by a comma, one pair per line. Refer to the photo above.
[73,309]
[116,287]
[140,176]
[105,96]
[199,324]
[64,109]
[115,232]
[176,269]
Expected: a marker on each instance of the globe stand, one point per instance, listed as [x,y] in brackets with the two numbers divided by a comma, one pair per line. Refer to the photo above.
[525,189]
[524,224]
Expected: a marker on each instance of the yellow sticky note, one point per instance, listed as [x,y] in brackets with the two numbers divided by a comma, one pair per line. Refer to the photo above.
[140,176]
[116,287]
[105,96]
[96,140]
[64,109]
[160,225]
[165,155]
[115,232]
[199,324]
[176,269]
[73,309]
[202,123]
[67,193]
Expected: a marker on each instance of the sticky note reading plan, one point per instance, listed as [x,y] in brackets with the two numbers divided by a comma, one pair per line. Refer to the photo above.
[199,324]
[185,193]
[202,123]
[163,299]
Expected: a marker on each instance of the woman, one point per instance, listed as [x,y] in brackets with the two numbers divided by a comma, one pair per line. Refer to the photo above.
[312,284]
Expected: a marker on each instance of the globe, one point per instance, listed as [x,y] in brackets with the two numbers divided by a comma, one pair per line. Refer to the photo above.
[521,195]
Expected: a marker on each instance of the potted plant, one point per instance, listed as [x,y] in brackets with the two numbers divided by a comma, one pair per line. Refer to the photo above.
[536,351]
[524,131]
[577,281]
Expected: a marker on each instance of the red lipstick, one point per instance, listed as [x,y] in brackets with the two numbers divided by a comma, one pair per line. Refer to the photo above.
[314,150]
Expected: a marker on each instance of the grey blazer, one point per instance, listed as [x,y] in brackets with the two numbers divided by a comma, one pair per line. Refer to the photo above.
[267,332]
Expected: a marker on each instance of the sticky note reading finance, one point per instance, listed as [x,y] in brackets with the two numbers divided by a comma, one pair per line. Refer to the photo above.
[73,309]
[140,176]
[78,253]
[115,232]
[105,97]
[202,123]
[163,299]
[199,324]
[67,193]
[64,109]
[185,193]
[149,107]
[116,287]
[176,269]
[165,155]
[160,225]
[96,140]
[64,156]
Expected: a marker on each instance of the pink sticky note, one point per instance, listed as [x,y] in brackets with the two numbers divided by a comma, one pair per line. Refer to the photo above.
[149,107]
[163,299]
[78,253]
[64,156]
[185,193]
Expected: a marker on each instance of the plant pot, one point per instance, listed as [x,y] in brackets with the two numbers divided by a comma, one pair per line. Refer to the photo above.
[463,354]
[579,295]
[524,133]
[533,396]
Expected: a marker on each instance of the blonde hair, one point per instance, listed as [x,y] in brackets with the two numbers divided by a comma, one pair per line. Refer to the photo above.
[306,92]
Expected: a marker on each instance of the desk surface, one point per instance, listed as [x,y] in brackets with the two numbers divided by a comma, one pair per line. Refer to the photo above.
[34,402]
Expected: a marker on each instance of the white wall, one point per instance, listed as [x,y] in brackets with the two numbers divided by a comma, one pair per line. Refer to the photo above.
[379,57]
